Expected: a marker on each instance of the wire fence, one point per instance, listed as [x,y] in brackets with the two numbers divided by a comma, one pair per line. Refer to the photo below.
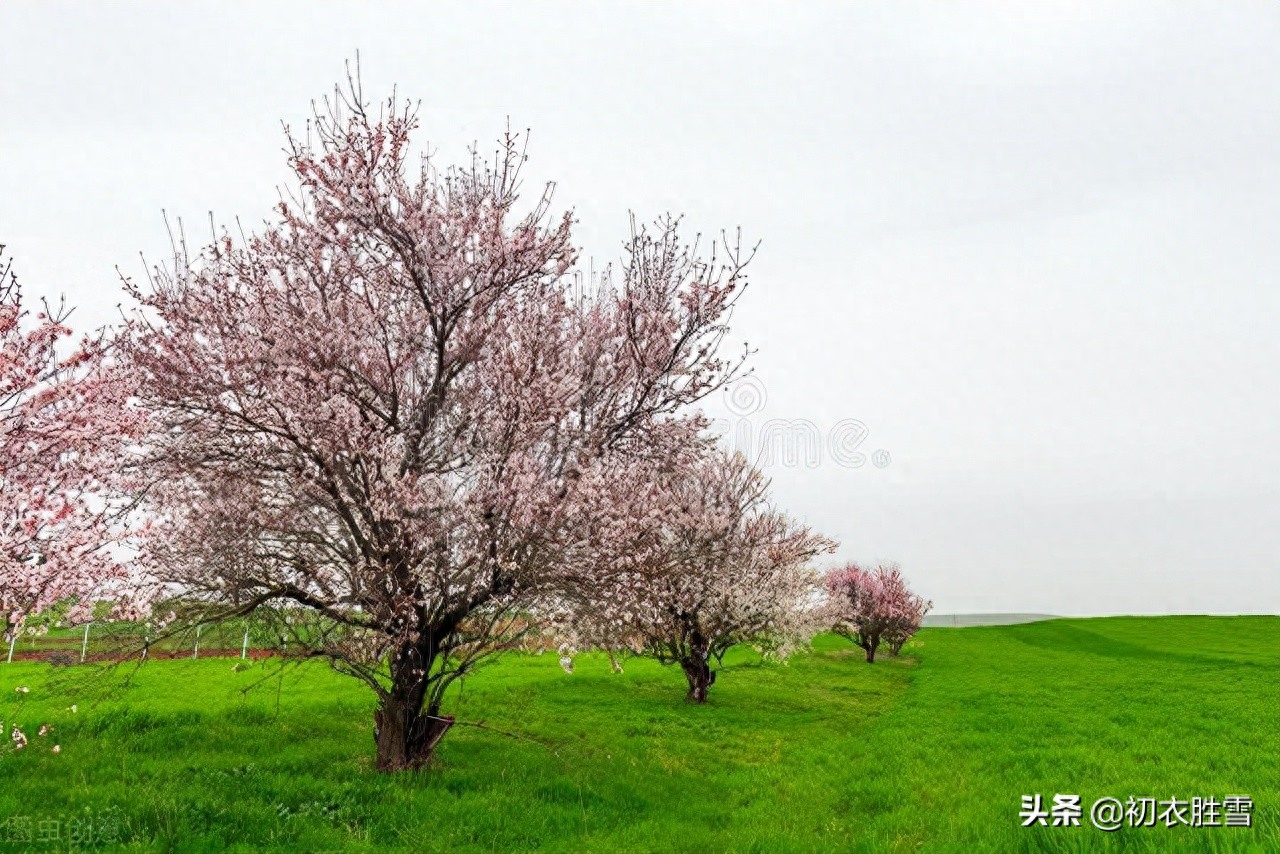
[96,642]
[114,641]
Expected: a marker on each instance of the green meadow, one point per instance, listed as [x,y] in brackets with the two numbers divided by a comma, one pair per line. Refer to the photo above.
[931,751]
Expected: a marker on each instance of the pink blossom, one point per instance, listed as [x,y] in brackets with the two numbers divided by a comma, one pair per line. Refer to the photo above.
[62,424]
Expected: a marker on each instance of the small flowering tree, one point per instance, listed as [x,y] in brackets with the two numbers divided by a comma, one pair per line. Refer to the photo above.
[908,612]
[62,422]
[870,606]
[707,564]
[389,409]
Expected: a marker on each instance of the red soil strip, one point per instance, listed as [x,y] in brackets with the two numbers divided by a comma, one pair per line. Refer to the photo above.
[45,655]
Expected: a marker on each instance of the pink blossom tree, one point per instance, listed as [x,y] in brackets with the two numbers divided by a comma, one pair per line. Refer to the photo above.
[707,564]
[908,611]
[388,408]
[62,421]
[869,606]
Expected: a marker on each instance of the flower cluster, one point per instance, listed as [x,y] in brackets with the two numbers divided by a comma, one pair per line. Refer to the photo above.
[63,423]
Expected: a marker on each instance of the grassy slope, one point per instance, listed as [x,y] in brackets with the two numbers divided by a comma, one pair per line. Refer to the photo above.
[929,752]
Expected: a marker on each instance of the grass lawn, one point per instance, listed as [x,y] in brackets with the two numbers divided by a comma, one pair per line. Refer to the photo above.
[928,752]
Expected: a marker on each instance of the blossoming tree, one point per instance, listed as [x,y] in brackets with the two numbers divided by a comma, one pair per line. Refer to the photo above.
[708,563]
[870,606]
[908,612]
[387,409]
[61,420]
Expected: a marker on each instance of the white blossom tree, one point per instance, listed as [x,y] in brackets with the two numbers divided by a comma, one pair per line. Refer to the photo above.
[706,563]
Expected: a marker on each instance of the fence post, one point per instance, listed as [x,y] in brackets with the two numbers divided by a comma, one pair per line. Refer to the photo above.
[244,647]
[84,647]
[195,653]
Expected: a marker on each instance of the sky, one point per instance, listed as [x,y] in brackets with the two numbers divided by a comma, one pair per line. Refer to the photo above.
[1016,297]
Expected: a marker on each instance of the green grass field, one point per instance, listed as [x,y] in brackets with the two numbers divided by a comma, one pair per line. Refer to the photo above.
[928,752]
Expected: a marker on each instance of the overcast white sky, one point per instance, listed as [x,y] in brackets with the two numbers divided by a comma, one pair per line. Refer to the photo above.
[1033,247]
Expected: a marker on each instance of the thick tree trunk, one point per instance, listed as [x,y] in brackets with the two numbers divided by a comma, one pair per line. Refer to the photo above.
[405,735]
[700,676]
[407,725]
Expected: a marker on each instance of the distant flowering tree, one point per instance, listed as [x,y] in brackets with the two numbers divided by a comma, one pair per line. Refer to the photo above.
[706,563]
[908,609]
[870,606]
[62,421]
[390,409]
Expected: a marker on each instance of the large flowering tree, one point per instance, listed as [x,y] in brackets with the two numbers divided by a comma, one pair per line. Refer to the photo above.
[62,422]
[388,411]
[707,563]
[871,606]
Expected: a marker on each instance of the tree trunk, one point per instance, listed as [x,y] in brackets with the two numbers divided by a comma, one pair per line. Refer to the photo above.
[700,676]
[870,644]
[405,735]
[407,725]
